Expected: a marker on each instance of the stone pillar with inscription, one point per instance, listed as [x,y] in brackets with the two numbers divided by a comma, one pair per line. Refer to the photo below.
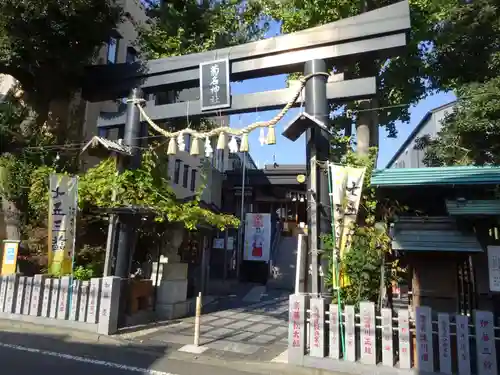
[109,306]
[350,333]
[54,297]
[47,297]
[28,293]
[93,305]
[10,300]
[20,295]
[317,327]
[170,277]
[63,311]
[37,295]
[3,292]
[444,343]
[334,331]
[404,339]
[84,301]
[367,330]
[297,329]
[463,347]
[423,328]
[485,343]
[387,338]
[75,301]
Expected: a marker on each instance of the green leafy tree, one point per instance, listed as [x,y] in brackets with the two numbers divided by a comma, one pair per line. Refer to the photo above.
[183,27]
[466,58]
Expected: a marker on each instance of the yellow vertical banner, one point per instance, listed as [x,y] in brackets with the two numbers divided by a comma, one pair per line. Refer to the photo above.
[347,186]
[63,206]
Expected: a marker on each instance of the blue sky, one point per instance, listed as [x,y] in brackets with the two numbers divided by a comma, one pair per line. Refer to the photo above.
[287,152]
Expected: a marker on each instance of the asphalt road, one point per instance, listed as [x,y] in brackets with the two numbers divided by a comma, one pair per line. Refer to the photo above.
[40,353]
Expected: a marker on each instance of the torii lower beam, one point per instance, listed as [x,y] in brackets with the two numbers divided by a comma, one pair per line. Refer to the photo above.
[348,90]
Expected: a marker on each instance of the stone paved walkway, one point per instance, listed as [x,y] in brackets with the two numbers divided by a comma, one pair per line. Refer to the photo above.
[257,330]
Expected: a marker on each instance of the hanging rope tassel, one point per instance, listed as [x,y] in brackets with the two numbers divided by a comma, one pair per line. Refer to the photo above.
[195,147]
[172,147]
[221,142]
[271,136]
[244,143]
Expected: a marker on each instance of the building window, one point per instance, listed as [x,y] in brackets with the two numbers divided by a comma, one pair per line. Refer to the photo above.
[177,171]
[185,177]
[193,179]
[112,50]
[131,55]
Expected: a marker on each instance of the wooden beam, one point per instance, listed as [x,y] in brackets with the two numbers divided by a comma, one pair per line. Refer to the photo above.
[267,100]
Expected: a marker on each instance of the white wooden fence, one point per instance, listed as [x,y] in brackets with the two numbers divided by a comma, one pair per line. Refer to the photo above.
[390,342]
[89,305]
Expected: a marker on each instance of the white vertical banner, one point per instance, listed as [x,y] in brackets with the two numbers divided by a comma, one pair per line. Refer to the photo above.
[257,237]
[494,268]
[63,206]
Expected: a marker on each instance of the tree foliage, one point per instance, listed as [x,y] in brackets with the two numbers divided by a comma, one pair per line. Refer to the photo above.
[46,44]
[183,27]
[466,58]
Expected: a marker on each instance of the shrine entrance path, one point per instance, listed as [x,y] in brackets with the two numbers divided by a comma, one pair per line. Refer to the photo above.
[239,328]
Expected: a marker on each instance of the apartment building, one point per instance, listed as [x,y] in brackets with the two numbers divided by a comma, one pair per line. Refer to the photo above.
[430,125]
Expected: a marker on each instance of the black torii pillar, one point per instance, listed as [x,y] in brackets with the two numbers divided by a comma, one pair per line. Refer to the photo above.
[126,223]
[317,152]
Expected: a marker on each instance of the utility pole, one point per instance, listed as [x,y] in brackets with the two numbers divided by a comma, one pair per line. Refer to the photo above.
[317,151]
[241,246]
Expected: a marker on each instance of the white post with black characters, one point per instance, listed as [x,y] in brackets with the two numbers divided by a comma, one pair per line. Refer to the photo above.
[10,301]
[109,305]
[350,333]
[46,297]
[84,301]
[37,295]
[93,306]
[63,312]
[334,331]
[28,293]
[444,343]
[20,295]
[75,301]
[423,328]
[463,347]
[387,338]
[54,298]
[3,292]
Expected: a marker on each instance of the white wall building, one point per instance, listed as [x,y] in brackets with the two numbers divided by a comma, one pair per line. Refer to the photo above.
[430,125]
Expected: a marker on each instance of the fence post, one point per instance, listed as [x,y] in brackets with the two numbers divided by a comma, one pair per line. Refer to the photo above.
[62,312]
[109,305]
[485,343]
[297,329]
[387,338]
[317,327]
[37,295]
[404,339]
[334,331]
[463,349]
[84,301]
[93,308]
[367,333]
[444,343]
[20,295]
[350,333]
[47,297]
[10,302]
[423,328]
[75,301]
[197,320]
[28,294]
[54,297]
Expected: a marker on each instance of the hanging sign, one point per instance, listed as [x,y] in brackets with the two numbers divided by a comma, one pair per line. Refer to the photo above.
[258,237]
[63,201]
[9,261]
[215,90]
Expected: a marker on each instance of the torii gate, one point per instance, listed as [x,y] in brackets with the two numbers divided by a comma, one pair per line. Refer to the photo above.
[378,33]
